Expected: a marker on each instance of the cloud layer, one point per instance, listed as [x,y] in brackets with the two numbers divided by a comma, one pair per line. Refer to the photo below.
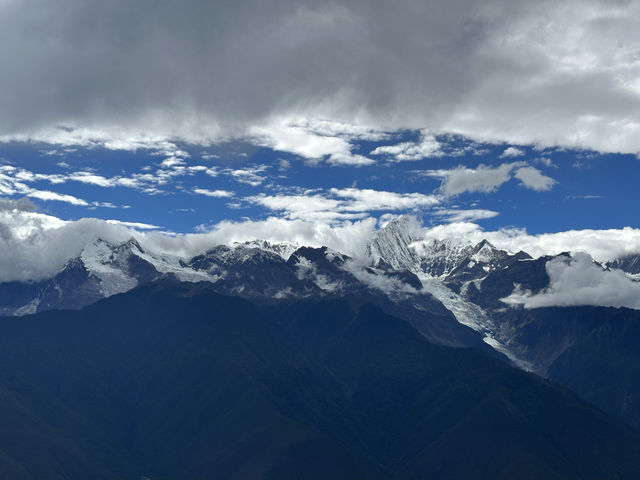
[128,73]
[580,281]
[34,245]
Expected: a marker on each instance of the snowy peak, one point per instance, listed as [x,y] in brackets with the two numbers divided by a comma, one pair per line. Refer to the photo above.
[118,266]
[439,257]
[484,251]
[284,249]
[483,259]
[102,255]
[391,245]
[628,263]
[221,258]
[398,247]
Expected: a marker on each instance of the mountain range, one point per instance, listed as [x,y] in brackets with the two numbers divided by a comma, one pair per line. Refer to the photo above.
[129,363]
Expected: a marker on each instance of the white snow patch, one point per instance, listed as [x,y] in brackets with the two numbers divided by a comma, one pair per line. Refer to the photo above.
[472,316]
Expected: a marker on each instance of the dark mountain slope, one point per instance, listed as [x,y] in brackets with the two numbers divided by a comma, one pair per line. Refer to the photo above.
[451,412]
[172,380]
[164,384]
[591,350]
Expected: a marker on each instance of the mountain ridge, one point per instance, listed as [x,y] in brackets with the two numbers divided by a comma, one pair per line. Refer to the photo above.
[174,380]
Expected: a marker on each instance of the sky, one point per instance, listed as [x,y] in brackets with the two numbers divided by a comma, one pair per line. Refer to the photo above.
[193,122]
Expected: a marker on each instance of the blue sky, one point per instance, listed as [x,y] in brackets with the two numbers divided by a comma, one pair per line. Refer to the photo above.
[187,188]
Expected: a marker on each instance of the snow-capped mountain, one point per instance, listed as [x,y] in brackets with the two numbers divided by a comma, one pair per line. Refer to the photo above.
[401,271]
[628,263]
[450,290]
[392,246]
[396,247]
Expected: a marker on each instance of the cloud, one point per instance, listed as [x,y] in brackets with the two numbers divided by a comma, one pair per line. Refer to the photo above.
[487,179]
[58,197]
[484,179]
[35,246]
[13,179]
[534,179]
[512,152]
[350,159]
[602,245]
[580,281]
[249,175]
[19,205]
[471,215]
[428,146]
[367,199]
[136,225]
[341,204]
[546,161]
[552,73]
[315,140]
[583,197]
[213,193]
[312,207]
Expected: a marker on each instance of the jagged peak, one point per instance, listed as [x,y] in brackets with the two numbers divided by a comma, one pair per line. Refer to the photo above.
[132,242]
[484,243]
[283,249]
[404,226]
[318,253]
[391,244]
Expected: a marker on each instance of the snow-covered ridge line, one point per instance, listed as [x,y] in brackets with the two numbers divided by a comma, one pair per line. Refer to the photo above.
[399,266]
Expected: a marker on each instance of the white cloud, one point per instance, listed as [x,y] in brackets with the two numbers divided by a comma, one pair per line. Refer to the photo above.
[487,179]
[512,152]
[579,281]
[428,146]
[347,237]
[249,175]
[13,180]
[136,225]
[341,204]
[172,162]
[349,159]
[470,215]
[534,179]
[58,197]
[35,246]
[298,140]
[315,140]
[310,207]
[349,131]
[114,137]
[546,161]
[483,179]
[90,178]
[603,245]
[367,199]
[213,193]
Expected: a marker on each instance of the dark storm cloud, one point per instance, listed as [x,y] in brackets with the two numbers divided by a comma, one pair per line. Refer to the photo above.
[520,71]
